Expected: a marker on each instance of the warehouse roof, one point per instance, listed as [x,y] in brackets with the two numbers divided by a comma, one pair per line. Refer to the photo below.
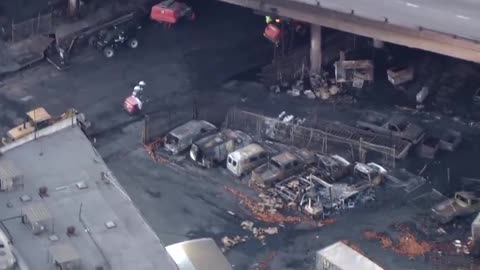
[89,210]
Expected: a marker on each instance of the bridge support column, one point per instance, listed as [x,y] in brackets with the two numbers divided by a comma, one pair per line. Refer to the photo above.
[316,48]
[378,44]
[73,6]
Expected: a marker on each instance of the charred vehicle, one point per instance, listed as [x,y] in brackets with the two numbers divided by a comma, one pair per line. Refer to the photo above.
[109,39]
[333,167]
[214,149]
[246,159]
[462,204]
[182,137]
[397,126]
[278,168]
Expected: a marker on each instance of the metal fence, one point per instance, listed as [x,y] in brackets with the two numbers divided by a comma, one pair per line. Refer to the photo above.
[286,68]
[327,139]
[42,24]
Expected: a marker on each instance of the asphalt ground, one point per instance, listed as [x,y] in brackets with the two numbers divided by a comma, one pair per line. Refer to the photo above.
[200,61]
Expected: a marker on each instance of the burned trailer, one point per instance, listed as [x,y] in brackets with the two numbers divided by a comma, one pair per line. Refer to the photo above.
[182,137]
[214,149]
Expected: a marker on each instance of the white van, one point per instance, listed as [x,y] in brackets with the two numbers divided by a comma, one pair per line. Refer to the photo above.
[246,159]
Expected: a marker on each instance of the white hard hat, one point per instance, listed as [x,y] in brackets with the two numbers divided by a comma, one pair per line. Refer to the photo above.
[142,83]
[137,88]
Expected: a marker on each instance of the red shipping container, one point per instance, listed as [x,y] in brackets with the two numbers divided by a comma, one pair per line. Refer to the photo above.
[168,12]
[272,33]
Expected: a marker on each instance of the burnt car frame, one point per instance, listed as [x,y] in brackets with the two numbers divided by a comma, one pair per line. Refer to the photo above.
[397,126]
[181,138]
[278,168]
[463,203]
[214,149]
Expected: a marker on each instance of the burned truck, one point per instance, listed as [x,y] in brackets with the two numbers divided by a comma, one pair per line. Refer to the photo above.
[396,126]
[464,203]
[214,149]
[281,166]
[182,137]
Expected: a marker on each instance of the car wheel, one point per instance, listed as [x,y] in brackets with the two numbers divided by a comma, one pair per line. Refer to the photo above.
[108,52]
[133,43]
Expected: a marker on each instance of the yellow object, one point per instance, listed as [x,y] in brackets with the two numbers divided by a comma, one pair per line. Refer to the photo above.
[268,19]
[36,119]
[39,115]
[277,20]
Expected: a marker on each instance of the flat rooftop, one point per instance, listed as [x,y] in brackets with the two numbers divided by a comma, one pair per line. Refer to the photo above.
[109,230]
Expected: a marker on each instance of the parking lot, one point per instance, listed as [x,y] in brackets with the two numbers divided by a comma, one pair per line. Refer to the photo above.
[202,65]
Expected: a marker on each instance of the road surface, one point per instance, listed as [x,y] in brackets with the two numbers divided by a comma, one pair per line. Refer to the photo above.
[458,18]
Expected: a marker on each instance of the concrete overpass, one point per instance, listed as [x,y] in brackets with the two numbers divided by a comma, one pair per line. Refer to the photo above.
[446,27]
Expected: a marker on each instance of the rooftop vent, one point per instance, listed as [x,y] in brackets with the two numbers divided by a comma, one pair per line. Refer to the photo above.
[53,238]
[43,191]
[71,231]
[25,198]
[82,185]
[110,224]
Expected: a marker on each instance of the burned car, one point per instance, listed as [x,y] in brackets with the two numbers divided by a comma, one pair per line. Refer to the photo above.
[278,168]
[214,149]
[397,126]
[108,40]
[373,173]
[182,137]
[333,167]
[464,203]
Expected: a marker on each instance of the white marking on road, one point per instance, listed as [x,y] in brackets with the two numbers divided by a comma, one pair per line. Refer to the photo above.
[412,5]
[462,17]
[26,98]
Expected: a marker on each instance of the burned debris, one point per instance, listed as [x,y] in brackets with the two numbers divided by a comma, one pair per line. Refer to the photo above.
[462,204]
[400,74]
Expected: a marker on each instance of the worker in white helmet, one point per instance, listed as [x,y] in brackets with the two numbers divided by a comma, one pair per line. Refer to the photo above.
[142,84]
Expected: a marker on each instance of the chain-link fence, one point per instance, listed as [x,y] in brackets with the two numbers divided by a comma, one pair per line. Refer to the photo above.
[330,138]
[42,24]
[158,124]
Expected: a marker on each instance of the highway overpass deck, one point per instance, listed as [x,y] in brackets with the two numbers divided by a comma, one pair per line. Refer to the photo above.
[441,26]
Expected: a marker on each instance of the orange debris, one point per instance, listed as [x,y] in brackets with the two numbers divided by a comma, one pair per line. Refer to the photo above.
[263,214]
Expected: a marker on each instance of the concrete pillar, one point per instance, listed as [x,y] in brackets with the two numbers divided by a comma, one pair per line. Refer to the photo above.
[378,44]
[316,48]
[73,6]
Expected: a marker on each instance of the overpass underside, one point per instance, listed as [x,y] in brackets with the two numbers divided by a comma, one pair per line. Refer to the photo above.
[424,39]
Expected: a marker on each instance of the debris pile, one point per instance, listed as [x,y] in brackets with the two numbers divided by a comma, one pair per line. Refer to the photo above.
[382,237]
[259,232]
[407,244]
[266,211]
[411,246]
[230,242]
[152,150]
